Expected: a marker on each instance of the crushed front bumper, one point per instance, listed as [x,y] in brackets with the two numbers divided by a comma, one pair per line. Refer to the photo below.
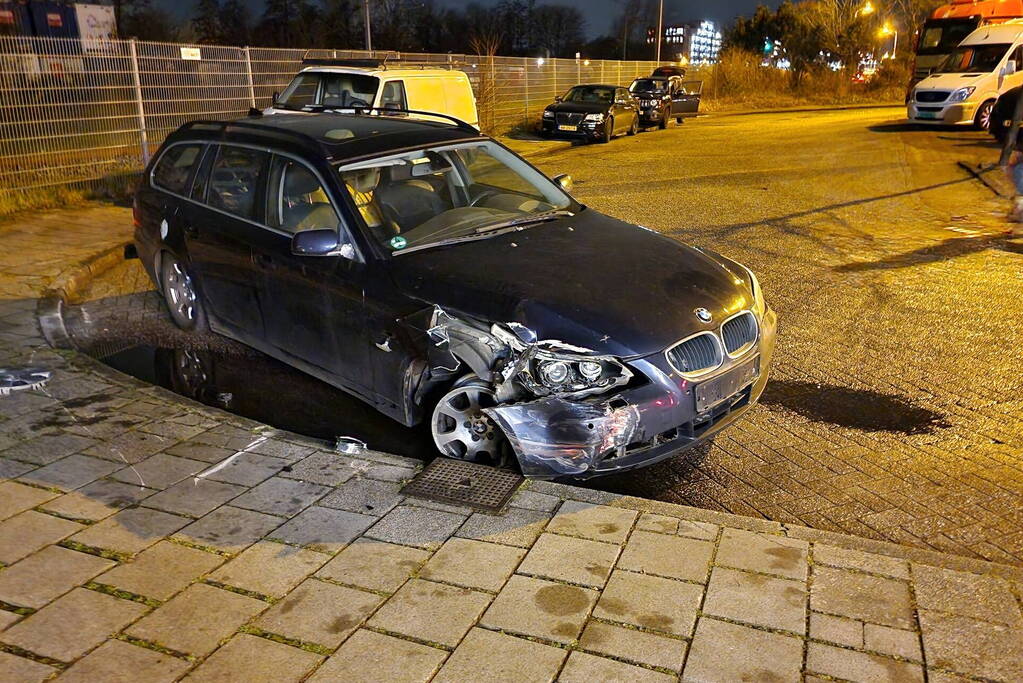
[556,438]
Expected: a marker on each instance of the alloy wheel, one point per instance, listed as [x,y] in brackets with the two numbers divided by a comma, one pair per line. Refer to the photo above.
[179,293]
[984,116]
[462,430]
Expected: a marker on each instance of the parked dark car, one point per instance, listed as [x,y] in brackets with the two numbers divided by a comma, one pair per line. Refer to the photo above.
[592,112]
[438,276]
[664,98]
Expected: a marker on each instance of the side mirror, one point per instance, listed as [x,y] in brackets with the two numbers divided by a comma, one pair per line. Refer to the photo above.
[1009,68]
[322,242]
[273,98]
[558,98]
[564,181]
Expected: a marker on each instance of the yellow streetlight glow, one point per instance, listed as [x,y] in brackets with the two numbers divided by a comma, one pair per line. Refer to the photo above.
[887,29]
[867,8]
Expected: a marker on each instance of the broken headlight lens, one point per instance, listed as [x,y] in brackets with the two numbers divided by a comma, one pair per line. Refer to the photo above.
[554,372]
[590,370]
[549,373]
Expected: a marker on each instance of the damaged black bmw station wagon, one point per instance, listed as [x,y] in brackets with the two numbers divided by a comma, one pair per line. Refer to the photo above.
[438,276]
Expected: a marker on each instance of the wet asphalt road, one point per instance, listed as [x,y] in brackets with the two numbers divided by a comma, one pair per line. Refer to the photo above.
[895,407]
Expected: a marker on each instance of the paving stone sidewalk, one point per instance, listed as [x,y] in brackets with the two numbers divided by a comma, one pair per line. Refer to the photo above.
[293,562]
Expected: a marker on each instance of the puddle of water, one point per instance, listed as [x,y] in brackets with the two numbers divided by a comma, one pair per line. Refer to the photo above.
[869,411]
[262,389]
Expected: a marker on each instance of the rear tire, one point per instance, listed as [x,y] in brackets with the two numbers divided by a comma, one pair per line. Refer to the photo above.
[180,293]
[678,120]
[634,128]
[982,121]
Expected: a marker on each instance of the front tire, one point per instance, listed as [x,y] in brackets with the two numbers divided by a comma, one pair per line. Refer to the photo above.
[609,130]
[634,128]
[181,295]
[460,428]
[982,121]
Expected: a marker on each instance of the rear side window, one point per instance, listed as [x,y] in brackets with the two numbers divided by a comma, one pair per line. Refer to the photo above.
[174,168]
[235,180]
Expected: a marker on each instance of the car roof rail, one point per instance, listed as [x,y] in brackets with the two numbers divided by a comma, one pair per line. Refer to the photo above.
[223,127]
[383,111]
[330,58]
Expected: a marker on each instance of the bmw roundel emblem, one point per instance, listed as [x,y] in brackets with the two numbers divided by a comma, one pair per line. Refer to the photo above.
[703,314]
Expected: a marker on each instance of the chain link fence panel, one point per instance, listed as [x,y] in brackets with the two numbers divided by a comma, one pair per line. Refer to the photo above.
[78,110]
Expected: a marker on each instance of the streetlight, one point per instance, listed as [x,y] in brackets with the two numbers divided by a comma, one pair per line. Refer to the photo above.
[660,22]
[867,8]
[889,30]
[369,37]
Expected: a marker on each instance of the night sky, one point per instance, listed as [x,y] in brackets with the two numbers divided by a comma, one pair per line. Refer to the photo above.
[599,13]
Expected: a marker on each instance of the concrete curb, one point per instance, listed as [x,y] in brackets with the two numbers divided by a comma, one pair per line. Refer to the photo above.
[68,285]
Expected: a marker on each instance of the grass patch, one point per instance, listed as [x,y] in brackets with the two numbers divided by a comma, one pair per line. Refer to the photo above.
[123,595]
[300,644]
[113,188]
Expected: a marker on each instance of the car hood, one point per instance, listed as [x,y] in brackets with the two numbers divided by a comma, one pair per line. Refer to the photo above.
[589,280]
[580,107]
[951,81]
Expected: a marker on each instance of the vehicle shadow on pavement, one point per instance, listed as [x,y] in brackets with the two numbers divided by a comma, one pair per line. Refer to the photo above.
[866,410]
[728,230]
[951,248]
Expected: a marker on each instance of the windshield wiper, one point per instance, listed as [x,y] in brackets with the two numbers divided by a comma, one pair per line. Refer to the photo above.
[525,220]
[491,230]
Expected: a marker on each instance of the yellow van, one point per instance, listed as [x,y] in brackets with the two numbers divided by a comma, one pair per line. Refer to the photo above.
[368,84]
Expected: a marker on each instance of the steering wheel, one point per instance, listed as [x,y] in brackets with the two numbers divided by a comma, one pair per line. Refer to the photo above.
[478,198]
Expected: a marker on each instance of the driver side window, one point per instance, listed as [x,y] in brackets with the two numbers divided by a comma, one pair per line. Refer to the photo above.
[297,200]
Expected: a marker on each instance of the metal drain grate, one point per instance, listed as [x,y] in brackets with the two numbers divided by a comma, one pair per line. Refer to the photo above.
[464,483]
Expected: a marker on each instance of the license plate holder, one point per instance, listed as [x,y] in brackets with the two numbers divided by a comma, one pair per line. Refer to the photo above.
[927,114]
[714,391]
[567,127]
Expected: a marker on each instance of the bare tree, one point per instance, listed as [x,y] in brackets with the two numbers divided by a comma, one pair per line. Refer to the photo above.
[486,45]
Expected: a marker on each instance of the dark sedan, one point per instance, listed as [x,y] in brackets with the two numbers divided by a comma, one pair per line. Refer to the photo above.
[437,276]
[592,112]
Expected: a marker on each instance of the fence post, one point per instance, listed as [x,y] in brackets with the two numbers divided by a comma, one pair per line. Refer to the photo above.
[525,72]
[248,74]
[139,109]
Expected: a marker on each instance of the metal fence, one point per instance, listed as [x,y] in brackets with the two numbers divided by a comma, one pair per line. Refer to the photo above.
[74,110]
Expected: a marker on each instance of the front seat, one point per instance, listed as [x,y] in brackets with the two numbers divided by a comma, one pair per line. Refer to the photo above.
[305,207]
[410,203]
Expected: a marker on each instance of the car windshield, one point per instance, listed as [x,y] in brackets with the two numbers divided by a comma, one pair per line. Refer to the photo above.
[428,197]
[648,84]
[590,93]
[315,89]
[973,58]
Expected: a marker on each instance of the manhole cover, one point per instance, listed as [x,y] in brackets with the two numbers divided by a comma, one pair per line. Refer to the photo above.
[464,483]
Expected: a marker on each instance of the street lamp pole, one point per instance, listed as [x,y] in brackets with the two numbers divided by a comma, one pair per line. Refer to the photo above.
[365,15]
[660,28]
